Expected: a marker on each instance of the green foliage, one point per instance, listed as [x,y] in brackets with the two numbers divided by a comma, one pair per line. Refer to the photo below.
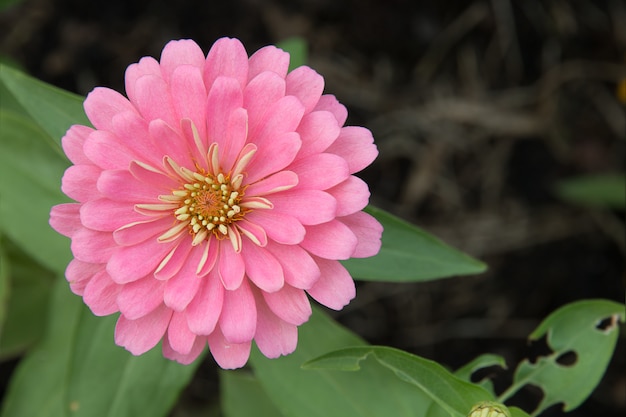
[30,175]
[605,191]
[52,109]
[430,379]
[574,328]
[410,254]
[77,371]
[243,396]
[481,362]
[26,301]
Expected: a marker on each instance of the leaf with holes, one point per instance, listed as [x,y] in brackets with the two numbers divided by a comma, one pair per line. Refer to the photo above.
[585,329]
[481,362]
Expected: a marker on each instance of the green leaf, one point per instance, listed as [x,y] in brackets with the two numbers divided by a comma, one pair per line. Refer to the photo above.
[297,49]
[30,178]
[53,109]
[26,308]
[481,362]
[516,412]
[78,371]
[452,394]
[410,254]
[573,328]
[605,191]
[243,396]
[4,287]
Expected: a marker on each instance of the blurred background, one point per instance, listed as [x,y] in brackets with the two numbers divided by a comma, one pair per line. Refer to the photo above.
[480,109]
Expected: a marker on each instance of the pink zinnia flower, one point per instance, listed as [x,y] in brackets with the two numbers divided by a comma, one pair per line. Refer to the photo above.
[212,200]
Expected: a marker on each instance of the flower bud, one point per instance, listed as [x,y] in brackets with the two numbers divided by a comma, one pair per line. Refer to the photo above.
[489,409]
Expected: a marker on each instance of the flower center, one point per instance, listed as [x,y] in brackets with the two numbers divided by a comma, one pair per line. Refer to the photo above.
[209,204]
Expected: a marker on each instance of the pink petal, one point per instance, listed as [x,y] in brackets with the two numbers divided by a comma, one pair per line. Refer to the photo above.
[132,130]
[356,145]
[281,181]
[332,240]
[206,307]
[197,348]
[171,143]
[230,266]
[153,99]
[274,337]
[261,93]
[102,104]
[352,195]
[73,142]
[124,187]
[318,130]
[135,233]
[107,215]
[329,103]
[180,52]
[368,232]
[290,304]
[141,297]
[92,246]
[79,273]
[235,138]
[225,96]
[308,206]
[101,294]
[141,335]
[279,227]
[269,58]
[262,268]
[65,218]
[129,263]
[320,171]
[153,177]
[300,270]
[228,355]
[273,157]
[107,151]
[253,232]
[306,84]
[238,319]
[180,338]
[227,58]
[189,96]
[79,182]
[176,261]
[183,287]
[146,65]
[282,116]
[335,288]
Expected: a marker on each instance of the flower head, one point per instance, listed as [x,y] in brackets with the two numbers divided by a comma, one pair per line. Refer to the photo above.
[212,200]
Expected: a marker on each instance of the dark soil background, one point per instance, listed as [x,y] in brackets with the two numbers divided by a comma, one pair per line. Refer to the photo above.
[478,108]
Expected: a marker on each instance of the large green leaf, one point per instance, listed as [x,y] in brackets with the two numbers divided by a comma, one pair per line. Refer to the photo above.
[608,191]
[589,329]
[483,361]
[243,396]
[410,254]
[430,379]
[26,307]
[4,287]
[53,109]
[78,371]
[30,177]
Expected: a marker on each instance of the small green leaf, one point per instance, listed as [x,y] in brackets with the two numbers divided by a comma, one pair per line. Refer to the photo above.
[30,178]
[243,396]
[587,329]
[297,49]
[410,254]
[26,308]
[78,371]
[452,394]
[605,191]
[481,362]
[516,412]
[53,109]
